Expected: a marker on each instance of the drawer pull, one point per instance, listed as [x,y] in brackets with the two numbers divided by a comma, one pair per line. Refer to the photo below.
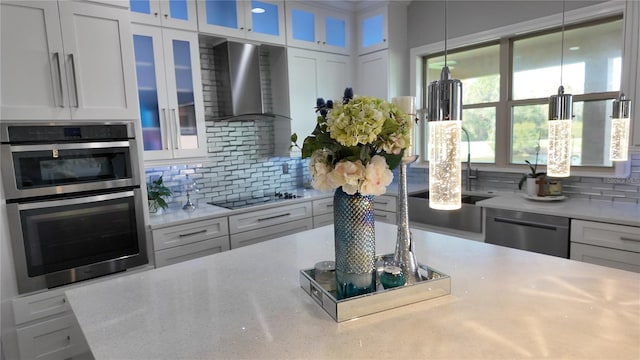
[274,217]
[64,300]
[68,338]
[624,238]
[193,233]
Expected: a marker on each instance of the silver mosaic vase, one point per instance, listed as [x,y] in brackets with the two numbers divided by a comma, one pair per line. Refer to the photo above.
[355,244]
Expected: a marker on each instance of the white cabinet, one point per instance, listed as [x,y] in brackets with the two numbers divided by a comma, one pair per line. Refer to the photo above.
[46,327]
[377,86]
[257,226]
[167,13]
[66,60]
[261,21]
[189,241]
[605,244]
[631,66]
[314,74]
[384,208]
[322,212]
[318,29]
[373,29]
[170,93]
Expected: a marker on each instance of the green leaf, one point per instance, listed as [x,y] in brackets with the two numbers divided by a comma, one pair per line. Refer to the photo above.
[393,160]
[294,138]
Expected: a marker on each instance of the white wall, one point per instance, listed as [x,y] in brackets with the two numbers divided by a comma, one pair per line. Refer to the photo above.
[425,19]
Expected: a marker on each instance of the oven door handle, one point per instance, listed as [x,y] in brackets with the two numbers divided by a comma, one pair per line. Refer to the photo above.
[75,146]
[75,201]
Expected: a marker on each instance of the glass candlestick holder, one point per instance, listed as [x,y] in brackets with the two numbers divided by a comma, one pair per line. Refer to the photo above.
[190,186]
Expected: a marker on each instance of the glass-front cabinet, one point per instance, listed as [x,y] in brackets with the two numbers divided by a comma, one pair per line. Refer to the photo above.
[251,19]
[373,33]
[170,93]
[179,14]
[318,29]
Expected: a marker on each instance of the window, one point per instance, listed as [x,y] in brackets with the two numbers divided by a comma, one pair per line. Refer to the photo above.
[507,119]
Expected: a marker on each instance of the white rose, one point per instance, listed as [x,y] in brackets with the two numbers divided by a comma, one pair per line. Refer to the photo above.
[377,177]
[348,175]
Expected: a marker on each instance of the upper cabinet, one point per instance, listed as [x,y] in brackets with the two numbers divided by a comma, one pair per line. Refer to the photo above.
[318,29]
[178,14]
[170,93]
[314,74]
[631,70]
[262,21]
[66,60]
[373,30]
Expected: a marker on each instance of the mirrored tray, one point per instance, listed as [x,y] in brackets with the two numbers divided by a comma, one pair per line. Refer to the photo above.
[433,284]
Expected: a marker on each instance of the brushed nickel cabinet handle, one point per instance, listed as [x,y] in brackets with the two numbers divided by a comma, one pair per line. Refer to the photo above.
[75,79]
[274,217]
[166,125]
[176,132]
[193,233]
[60,103]
[624,238]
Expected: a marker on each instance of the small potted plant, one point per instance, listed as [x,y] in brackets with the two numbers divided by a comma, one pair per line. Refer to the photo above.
[532,175]
[156,194]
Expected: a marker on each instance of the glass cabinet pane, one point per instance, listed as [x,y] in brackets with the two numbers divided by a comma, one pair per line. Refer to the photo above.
[372,30]
[304,25]
[178,9]
[264,18]
[184,85]
[335,32]
[140,6]
[147,92]
[222,13]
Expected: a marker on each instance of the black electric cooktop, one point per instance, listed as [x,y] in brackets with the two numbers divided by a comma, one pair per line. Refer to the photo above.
[254,201]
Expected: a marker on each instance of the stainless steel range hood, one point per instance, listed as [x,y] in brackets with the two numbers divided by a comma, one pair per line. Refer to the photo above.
[239,90]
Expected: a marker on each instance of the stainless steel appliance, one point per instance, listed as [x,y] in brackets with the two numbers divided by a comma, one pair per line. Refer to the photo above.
[73,201]
[539,233]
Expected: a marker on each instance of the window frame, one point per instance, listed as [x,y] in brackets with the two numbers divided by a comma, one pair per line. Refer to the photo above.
[504,35]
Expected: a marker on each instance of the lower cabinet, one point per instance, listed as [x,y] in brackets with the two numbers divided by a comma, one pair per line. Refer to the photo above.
[385,208]
[261,225]
[189,241]
[322,212]
[611,245]
[46,327]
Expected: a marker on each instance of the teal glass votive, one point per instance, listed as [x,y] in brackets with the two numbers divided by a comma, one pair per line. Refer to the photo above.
[391,277]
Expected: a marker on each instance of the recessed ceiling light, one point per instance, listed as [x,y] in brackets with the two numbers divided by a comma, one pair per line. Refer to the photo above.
[574,48]
[257,10]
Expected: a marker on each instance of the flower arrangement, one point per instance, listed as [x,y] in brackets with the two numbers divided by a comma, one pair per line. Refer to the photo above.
[533,168]
[355,144]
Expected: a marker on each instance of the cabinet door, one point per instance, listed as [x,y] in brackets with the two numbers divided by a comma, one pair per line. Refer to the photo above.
[192,251]
[98,58]
[264,21]
[32,66]
[152,92]
[373,30]
[318,29]
[224,18]
[177,14]
[185,115]
[335,71]
[373,75]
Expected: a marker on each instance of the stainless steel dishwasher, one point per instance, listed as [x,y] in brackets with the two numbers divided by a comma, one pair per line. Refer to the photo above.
[539,233]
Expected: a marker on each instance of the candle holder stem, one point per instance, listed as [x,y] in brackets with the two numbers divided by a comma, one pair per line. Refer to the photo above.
[404,256]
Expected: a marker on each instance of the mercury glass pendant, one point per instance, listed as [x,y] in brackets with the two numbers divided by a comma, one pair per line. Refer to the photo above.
[620,121]
[560,115]
[445,128]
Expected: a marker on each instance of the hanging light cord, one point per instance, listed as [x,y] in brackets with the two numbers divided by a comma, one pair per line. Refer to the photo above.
[445,33]
[562,45]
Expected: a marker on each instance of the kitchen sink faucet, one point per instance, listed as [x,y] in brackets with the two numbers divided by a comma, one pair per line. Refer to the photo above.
[471,174]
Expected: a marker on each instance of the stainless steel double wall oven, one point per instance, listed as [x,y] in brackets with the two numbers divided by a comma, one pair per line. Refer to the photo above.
[73,200]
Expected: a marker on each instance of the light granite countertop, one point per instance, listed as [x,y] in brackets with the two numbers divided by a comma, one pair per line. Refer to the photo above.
[247,303]
[583,209]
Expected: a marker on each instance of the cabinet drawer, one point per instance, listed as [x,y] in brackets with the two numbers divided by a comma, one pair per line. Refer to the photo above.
[191,251]
[613,236]
[189,233]
[384,216]
[38,306]
[322,220]
[385,202]
[261,218]
[625,260]
[270,232]
[323,206]
[58,338]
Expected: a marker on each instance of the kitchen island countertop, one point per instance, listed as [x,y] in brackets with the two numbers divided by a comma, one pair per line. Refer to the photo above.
[247,303]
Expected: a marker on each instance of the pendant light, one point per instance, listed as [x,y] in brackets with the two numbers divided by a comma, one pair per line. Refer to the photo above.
[620,129]
[445,127]
[560,115]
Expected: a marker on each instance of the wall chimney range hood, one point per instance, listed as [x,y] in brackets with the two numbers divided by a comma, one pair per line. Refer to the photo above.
[239,88]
